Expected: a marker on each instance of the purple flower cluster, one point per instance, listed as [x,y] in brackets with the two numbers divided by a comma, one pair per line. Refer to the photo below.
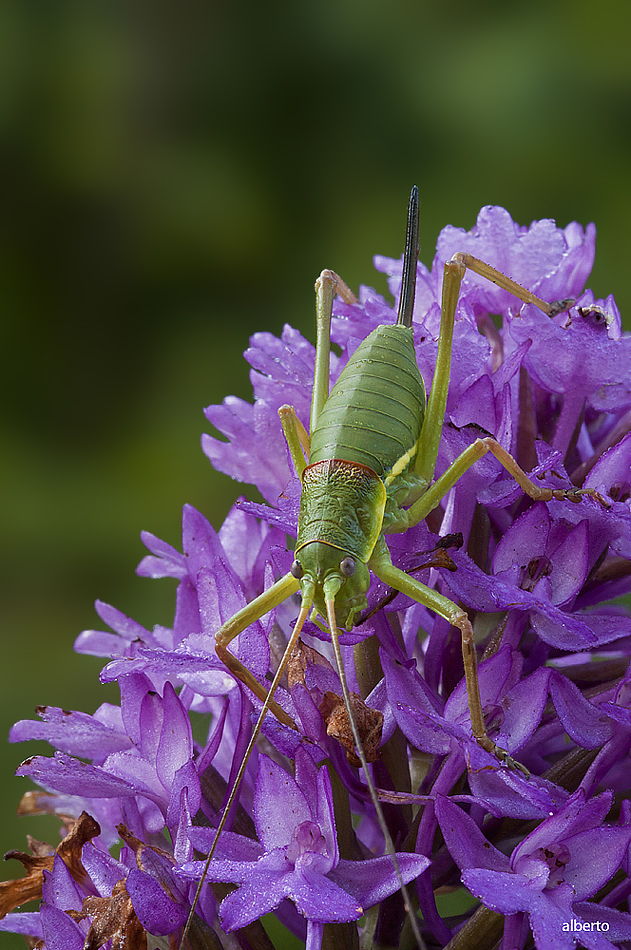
[544,857]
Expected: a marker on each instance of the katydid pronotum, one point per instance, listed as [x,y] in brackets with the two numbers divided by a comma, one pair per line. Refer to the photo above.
[367,468]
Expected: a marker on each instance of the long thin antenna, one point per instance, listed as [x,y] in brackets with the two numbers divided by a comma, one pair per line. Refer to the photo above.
[408,279]
[330,609]
[304,612]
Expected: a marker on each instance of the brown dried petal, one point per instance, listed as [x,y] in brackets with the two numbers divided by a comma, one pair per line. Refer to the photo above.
[369,724]
[299,660]
[29,887]
[113,918]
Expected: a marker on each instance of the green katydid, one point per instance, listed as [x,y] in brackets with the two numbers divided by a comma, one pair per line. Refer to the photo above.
[367,467]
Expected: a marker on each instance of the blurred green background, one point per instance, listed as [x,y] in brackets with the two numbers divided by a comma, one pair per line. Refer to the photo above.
[174,178]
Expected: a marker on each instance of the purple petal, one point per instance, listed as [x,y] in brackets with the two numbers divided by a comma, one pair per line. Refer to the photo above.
[502,892]
[232,848]
[28,924]
[98,643]
[527,538]
[73,732]
[523,708]
[220,597]
[185,779]
[315,784]
[200,541]
[547,922]
[60,888]
[374,879]
[496,676]
[201,671]
[247,543]
[596,855]
[155,910]
[165,562]
[124,626]
[586,724]
[279,805]
[60,931]
[617,923]
[611,471]
[256,453]
[507,792]
[569,565]
[576,815]
[466,843]
[318,898]
[251,901]
[175,747]
[104,871]
[65,774]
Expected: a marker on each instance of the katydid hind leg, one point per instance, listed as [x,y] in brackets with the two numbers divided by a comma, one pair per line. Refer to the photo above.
[454,272]
[425,464]
[504,282]
[418,511]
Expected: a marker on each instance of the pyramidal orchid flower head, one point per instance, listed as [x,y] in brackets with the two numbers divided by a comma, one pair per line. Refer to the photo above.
[541,581]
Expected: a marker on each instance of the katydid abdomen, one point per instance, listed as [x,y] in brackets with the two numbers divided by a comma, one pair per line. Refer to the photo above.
[374,413]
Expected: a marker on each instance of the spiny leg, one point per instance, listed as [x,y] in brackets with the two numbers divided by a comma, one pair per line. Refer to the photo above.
[327,286]
[253,611]
[407,518]
[425,465]
[435,414]
[483,269]
[382,566]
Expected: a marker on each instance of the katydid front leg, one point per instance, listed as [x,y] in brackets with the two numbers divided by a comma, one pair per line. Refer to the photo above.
[327,286]
[253,611]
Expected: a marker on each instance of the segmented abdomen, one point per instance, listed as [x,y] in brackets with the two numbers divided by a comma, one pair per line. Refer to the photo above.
[375,410]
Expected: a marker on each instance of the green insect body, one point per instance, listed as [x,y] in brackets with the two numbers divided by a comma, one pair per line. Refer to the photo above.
[375,411]
[368,431]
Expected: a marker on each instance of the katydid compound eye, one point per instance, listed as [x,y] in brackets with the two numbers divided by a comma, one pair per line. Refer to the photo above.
[297,570]
[347,566]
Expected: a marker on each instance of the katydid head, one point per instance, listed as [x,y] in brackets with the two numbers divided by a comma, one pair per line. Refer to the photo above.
[332,579]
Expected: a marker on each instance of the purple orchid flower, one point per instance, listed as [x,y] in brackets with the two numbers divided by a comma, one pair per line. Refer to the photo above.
[144,776]
[538,580]
[563,862]
[297,856]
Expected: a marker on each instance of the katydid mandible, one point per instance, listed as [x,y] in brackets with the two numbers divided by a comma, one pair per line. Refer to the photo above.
[367,469]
